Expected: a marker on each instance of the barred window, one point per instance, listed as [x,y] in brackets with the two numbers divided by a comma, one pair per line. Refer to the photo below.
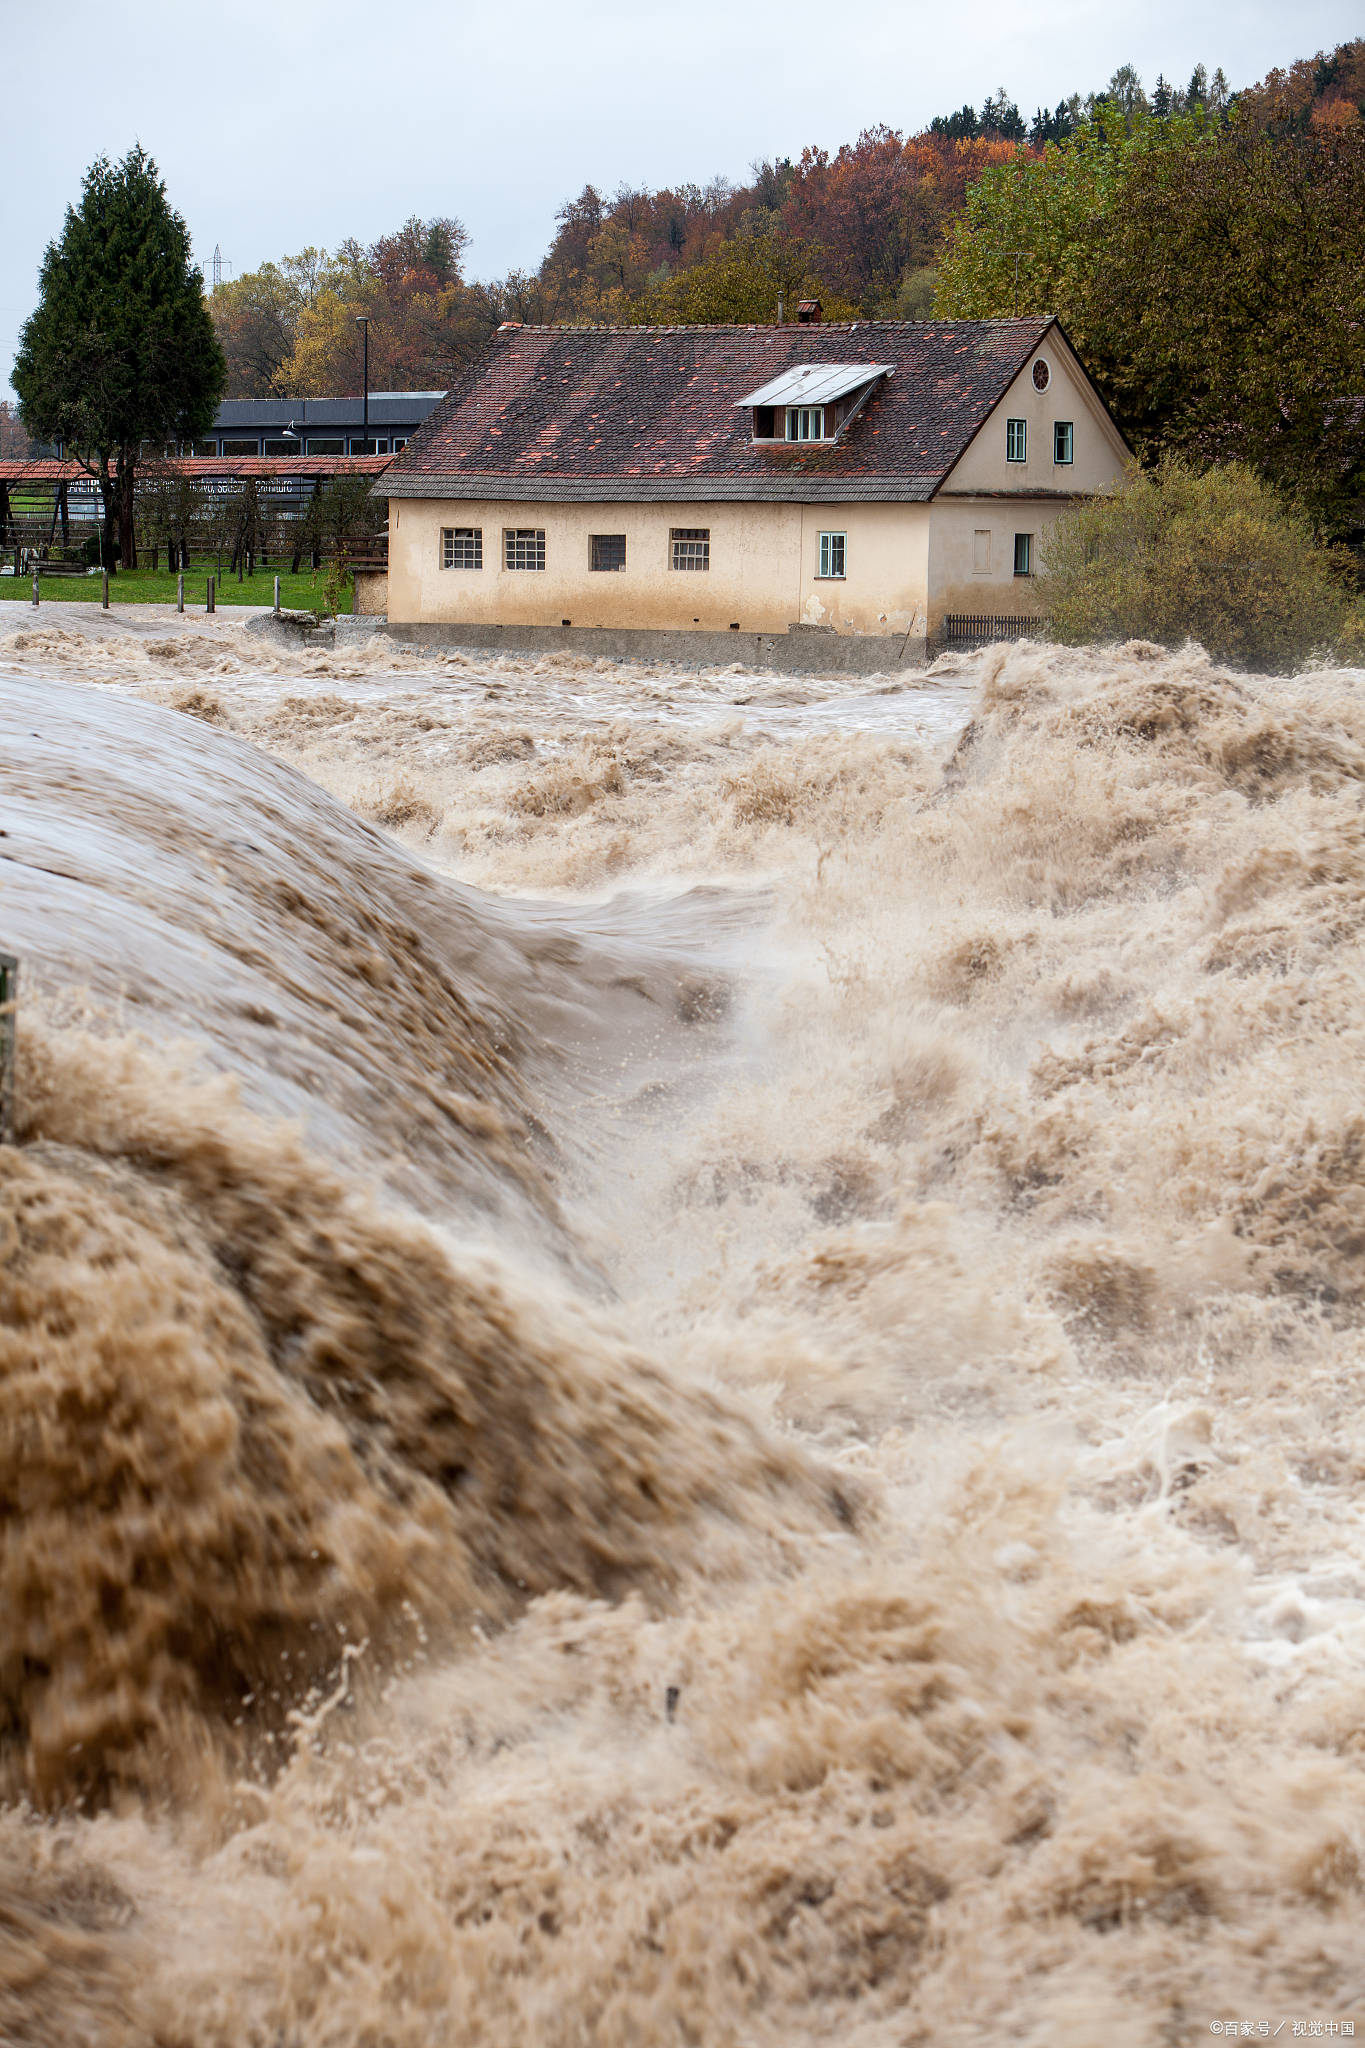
[1016,440]
[462,547]
[1063,441]
[606,551]
[523,547]
[1023,554]
[832,554]
[691,546]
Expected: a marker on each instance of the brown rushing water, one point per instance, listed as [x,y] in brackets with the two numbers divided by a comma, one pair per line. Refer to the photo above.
[682,1355]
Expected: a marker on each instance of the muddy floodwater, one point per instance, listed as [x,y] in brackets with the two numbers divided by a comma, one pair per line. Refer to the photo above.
[681,1356]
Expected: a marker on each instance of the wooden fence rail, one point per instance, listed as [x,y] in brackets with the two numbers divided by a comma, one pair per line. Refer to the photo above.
[976,629]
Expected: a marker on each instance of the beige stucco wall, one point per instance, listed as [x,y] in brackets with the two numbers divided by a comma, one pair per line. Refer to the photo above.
[956,584]
[986,493]
[763,574]
[1099,450]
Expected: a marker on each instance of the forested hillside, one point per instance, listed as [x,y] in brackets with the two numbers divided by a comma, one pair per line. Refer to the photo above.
[1204,247]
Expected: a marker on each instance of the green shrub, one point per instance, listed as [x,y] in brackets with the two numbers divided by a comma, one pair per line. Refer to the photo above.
[1178,554]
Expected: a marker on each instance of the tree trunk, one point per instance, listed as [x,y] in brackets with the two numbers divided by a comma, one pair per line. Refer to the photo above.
[107,539]
[127,539]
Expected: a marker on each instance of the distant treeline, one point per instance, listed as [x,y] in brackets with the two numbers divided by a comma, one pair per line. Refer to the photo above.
[1204,247]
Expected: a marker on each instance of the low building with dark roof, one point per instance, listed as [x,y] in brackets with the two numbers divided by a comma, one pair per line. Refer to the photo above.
[870,478]
[282,427]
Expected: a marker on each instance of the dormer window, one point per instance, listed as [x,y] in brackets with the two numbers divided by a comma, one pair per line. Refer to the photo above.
[812,402]
[805,423]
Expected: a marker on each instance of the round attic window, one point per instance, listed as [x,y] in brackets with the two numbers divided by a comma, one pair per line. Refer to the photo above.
[1042,376]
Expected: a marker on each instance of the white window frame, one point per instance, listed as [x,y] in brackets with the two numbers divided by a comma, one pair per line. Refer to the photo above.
[805,423]
[689,548]
[1027,553]
[459,544]
[523,547]
[1016,440]
[833,557]
[1060,427]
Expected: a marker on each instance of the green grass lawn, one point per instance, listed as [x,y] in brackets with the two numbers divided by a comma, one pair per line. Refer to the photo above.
[302,593]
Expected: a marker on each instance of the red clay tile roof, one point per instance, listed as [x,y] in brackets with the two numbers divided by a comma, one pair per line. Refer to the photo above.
[650,412]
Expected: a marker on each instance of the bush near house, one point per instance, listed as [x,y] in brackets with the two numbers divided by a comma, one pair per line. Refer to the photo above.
[1216,556]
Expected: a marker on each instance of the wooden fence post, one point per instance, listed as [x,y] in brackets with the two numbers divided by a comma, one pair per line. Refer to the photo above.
[104,593]
[180,591]
[9,1004]
[35,583]
[208,602]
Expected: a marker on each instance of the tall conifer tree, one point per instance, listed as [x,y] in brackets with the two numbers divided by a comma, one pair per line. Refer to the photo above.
[120,351]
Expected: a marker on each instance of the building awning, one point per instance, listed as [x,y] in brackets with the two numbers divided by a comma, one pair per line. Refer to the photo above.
[816,383]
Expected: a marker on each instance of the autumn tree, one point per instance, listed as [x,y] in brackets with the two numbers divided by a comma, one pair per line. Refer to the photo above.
[120,351]
[1212,277]
[741,284]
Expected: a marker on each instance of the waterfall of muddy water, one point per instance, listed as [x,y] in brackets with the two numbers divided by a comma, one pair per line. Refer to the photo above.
[681,1355]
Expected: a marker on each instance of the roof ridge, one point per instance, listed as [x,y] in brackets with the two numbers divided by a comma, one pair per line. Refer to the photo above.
[756,326]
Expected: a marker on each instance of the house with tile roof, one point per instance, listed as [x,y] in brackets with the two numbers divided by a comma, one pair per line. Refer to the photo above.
[868,479]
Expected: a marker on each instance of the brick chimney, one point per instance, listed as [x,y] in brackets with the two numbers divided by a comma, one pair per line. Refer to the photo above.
[808,312]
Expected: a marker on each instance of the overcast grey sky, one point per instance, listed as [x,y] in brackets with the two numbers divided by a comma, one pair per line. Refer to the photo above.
[278,123]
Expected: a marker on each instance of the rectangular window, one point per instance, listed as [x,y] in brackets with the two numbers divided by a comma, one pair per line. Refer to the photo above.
[805,423]
[981,551]
[523,547]
[206,447]
[832,554]
[691,547]
[1063,441]
[1016,440]
[1023,554]
[241,447]
[400,443]
[326,447]
[359,447]
[284,447]
[606,551]
[462,547]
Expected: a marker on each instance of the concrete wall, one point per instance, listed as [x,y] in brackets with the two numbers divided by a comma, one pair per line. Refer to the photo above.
[807,652]
[763,575]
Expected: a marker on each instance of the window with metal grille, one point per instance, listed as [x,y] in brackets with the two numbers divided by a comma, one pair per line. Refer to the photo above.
[606,551]
[523,547]
[691,546]
[1016,440]
[805,423]
[1063,441]
[462,547]
[1023,554]
[832,554]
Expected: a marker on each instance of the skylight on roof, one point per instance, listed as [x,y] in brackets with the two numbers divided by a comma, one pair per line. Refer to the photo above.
[816,383]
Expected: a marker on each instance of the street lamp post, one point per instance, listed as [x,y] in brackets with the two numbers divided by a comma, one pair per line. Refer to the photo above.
[363,321]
